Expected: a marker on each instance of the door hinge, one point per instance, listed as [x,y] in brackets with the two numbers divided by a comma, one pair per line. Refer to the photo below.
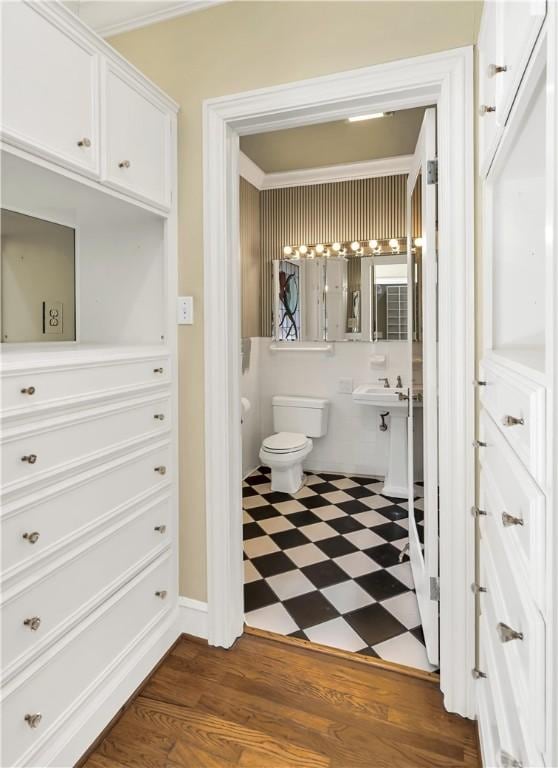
[434,588]
[432,172]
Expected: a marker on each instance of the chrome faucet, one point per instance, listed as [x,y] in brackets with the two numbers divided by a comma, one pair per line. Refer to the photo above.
[399,382]
[385,380]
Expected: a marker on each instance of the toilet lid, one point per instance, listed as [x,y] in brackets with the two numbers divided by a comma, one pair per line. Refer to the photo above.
[283,442]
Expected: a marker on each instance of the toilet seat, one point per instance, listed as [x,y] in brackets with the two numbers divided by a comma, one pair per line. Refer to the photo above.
[285,442]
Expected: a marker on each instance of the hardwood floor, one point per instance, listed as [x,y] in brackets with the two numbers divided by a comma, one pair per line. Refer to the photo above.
[267,704]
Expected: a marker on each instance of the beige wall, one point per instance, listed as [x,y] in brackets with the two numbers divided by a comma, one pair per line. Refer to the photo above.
[250,259]
[236,47]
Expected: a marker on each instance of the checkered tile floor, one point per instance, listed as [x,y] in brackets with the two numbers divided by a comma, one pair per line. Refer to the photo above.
[324,565]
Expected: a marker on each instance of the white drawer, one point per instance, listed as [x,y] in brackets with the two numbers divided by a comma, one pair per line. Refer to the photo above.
[517,405]
[24,391]
[69,441]
[60,513]
[519,662]
[515,509]
[66,591]
[69,672]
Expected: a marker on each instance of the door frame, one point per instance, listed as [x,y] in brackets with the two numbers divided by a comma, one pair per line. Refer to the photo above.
[446,80]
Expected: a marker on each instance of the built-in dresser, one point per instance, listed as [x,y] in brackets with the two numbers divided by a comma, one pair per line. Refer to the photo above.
[516,511]
[89,428]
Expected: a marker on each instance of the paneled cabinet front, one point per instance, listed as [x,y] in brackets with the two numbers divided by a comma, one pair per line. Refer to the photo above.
[137,135]
[50,86]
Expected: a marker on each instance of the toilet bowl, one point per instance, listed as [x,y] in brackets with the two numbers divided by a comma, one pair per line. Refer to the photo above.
[297,420]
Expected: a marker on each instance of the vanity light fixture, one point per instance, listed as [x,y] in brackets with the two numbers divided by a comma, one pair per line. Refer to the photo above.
[320,248]
[373,244]
[355,245]
[303,249]
[287,250]
[394,244]
[336,247]
[418,242]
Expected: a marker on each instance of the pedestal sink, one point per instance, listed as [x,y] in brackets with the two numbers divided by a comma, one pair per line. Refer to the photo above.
[394,400]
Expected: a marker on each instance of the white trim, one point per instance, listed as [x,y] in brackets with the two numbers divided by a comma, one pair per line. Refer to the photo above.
[327,174]
[144,20]
[444,79]
[192,616]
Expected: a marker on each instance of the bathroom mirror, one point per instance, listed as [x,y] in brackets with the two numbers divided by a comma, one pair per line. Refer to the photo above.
[343,298]
[37,293]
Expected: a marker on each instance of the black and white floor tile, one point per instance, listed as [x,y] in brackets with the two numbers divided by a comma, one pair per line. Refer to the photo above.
[324,565]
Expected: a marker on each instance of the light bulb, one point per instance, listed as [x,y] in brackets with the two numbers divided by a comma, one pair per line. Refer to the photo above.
[303,249]
[373,243]
[287,250]
[320,248]
[393,243]
[336,246]
[418,242]
[355,246]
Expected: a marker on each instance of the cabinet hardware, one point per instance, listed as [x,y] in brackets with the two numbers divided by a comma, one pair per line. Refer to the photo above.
[496,69]
[417,397]
[478,444]
[509,761]
[33,623]
[508,520]
[162,593]
[476,512]
[160,416]
[479,383]
[161,470]
[85,142]
[506,634]
[476,589]
[161,528]
[484,110]
[157,370]
[28,391]
[124,164]
[33,720]
[31,459]
[32,538]
[511,421]
[477,674]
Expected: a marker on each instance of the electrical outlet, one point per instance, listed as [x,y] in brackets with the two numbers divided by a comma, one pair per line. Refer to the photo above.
[345,386]
[53,317]
[185,310]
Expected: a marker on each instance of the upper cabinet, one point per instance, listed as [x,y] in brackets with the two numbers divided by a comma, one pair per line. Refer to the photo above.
[50,88]
[137,136]
[508,33]
[70,99]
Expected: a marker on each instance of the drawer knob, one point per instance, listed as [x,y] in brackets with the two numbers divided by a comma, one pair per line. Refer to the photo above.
[160,416]
[33,623]
[162,593]
[496,69]
[160,528]
[28,391]
[484,110]
[124,164]
[512,421]
[31,459]
[507,634]
[161,470]
[509,761]
[33,720]
[32,538]
[157,370]
[508,520]
[85,142]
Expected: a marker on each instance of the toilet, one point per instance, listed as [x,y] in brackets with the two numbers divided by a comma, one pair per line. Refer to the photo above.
[296,421]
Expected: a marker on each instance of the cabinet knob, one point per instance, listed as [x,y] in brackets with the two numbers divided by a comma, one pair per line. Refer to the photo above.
[28,391]
[33,623]
[484,110]
[508,520]
[161,528]
[32,538]
[160,416]
[33,720]
[157,370]
[161,470]
[31,459]
[162,593]
[85,142]
[512,421]
[124,164]
[506,634]
[496,69]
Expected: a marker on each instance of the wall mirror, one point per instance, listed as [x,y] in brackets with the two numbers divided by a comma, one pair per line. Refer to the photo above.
[37,292]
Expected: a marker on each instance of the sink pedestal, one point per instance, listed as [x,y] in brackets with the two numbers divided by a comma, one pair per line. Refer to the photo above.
[396,479]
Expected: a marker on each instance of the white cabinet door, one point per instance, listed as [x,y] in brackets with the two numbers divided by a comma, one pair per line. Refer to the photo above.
[50,89]
[137,138]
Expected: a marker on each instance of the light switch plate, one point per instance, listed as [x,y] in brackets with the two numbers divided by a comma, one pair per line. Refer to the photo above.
[185,310]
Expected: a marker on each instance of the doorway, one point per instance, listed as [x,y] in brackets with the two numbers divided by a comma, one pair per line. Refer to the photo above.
[444,80]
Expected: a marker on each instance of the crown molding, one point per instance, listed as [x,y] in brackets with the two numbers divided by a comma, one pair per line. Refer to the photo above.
[367,169]
[144,20]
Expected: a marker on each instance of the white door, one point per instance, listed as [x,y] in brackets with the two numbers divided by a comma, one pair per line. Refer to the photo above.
[50,89]
[423,392]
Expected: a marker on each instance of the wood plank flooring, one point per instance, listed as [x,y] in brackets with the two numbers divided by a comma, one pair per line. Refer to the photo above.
[267,704]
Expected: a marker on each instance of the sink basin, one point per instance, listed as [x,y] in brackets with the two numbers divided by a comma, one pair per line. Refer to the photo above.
[380,396]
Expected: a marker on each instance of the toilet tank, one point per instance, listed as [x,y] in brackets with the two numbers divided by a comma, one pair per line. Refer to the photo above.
[306,415]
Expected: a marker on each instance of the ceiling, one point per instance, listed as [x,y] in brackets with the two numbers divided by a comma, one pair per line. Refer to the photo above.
[110,17]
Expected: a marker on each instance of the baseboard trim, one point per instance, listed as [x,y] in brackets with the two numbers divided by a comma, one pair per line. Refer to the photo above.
[193,617]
